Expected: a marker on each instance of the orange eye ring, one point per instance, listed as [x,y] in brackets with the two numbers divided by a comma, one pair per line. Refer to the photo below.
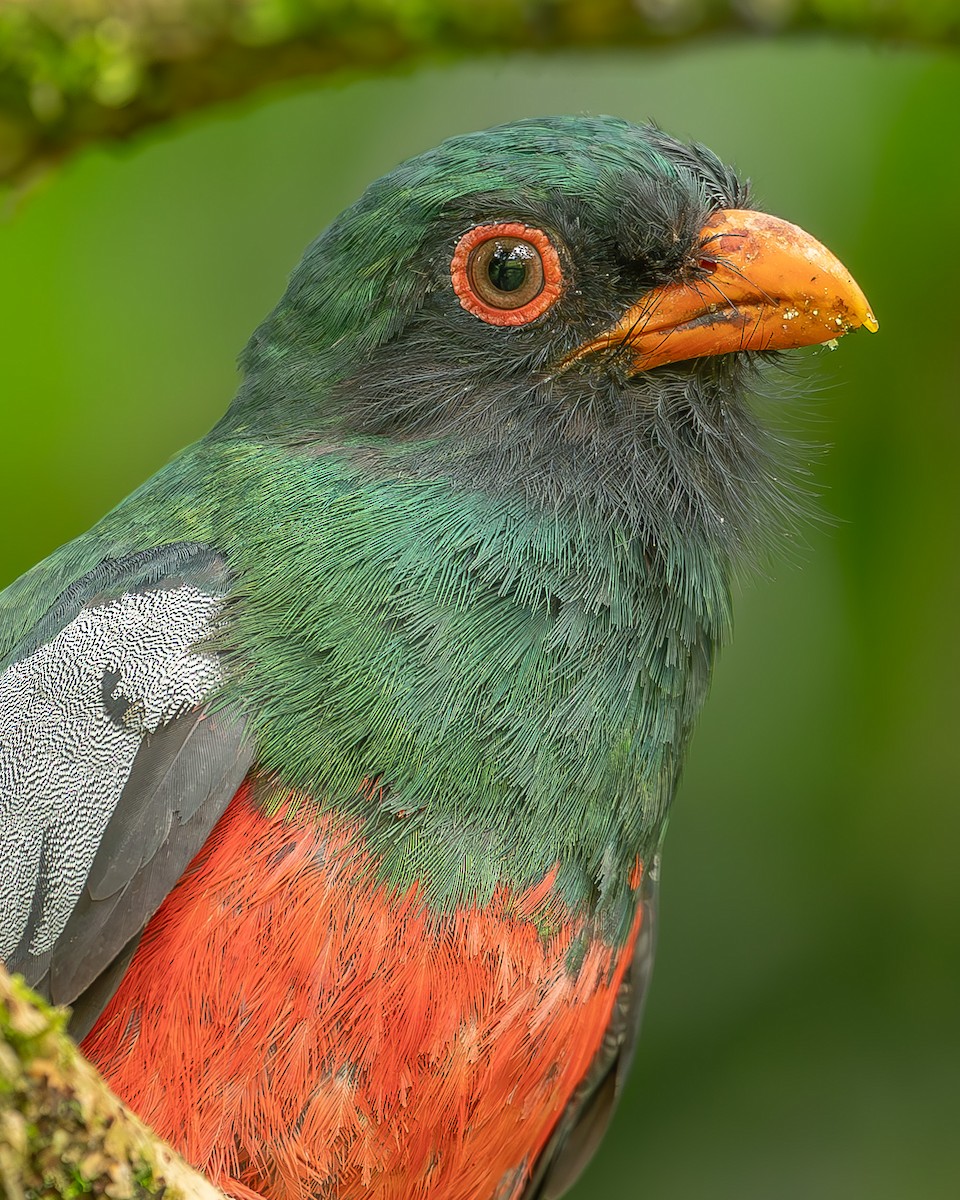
[523,259]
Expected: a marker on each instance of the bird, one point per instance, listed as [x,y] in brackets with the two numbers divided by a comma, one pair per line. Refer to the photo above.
[335,761]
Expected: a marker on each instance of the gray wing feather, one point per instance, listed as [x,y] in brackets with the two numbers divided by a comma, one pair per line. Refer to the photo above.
[175,773]
[112,768]
[182,779]
[85,1009]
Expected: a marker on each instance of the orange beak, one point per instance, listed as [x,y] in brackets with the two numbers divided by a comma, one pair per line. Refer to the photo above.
[767,286]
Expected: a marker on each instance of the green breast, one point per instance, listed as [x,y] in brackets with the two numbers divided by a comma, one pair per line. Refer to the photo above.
[493,690]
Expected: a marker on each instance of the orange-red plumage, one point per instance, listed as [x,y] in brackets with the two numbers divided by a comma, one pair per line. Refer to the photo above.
[295,1027]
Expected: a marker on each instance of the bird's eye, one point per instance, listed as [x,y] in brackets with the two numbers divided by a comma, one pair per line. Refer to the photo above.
[506,274]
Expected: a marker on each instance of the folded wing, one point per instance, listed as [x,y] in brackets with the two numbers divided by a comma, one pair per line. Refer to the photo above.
[115,763]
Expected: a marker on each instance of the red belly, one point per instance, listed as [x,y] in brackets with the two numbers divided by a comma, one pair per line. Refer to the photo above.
[293,1025]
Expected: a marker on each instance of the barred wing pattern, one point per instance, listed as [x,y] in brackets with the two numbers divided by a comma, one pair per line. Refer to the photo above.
[112,770]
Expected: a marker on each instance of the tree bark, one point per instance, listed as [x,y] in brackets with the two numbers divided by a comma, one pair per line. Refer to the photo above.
[63,1134]
[77,71]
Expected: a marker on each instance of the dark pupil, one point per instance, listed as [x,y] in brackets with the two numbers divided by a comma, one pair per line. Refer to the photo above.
[507,267]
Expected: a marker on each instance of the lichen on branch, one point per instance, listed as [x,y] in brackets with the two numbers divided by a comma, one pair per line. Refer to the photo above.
[63,1134]
[77,71]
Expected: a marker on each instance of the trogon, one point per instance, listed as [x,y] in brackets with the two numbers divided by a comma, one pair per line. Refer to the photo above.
[335,761]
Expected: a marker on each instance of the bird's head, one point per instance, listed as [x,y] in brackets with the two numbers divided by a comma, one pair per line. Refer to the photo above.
[576,304]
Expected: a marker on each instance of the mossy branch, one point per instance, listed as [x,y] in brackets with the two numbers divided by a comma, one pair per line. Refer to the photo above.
[76,71]
[63,1134]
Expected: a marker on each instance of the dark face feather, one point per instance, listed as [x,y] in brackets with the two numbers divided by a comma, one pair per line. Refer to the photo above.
[624,206]
[370,344]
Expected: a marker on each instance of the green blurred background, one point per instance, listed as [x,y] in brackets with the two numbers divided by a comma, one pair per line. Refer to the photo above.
[802,1036]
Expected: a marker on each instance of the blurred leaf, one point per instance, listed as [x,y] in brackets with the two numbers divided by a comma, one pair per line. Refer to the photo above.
[76,71]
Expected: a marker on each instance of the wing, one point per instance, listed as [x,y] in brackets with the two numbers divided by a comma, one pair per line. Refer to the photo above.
[113,766]
[583,1124]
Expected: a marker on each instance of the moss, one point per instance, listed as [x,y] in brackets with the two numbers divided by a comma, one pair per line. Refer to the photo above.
[75,71]
[63,1134]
